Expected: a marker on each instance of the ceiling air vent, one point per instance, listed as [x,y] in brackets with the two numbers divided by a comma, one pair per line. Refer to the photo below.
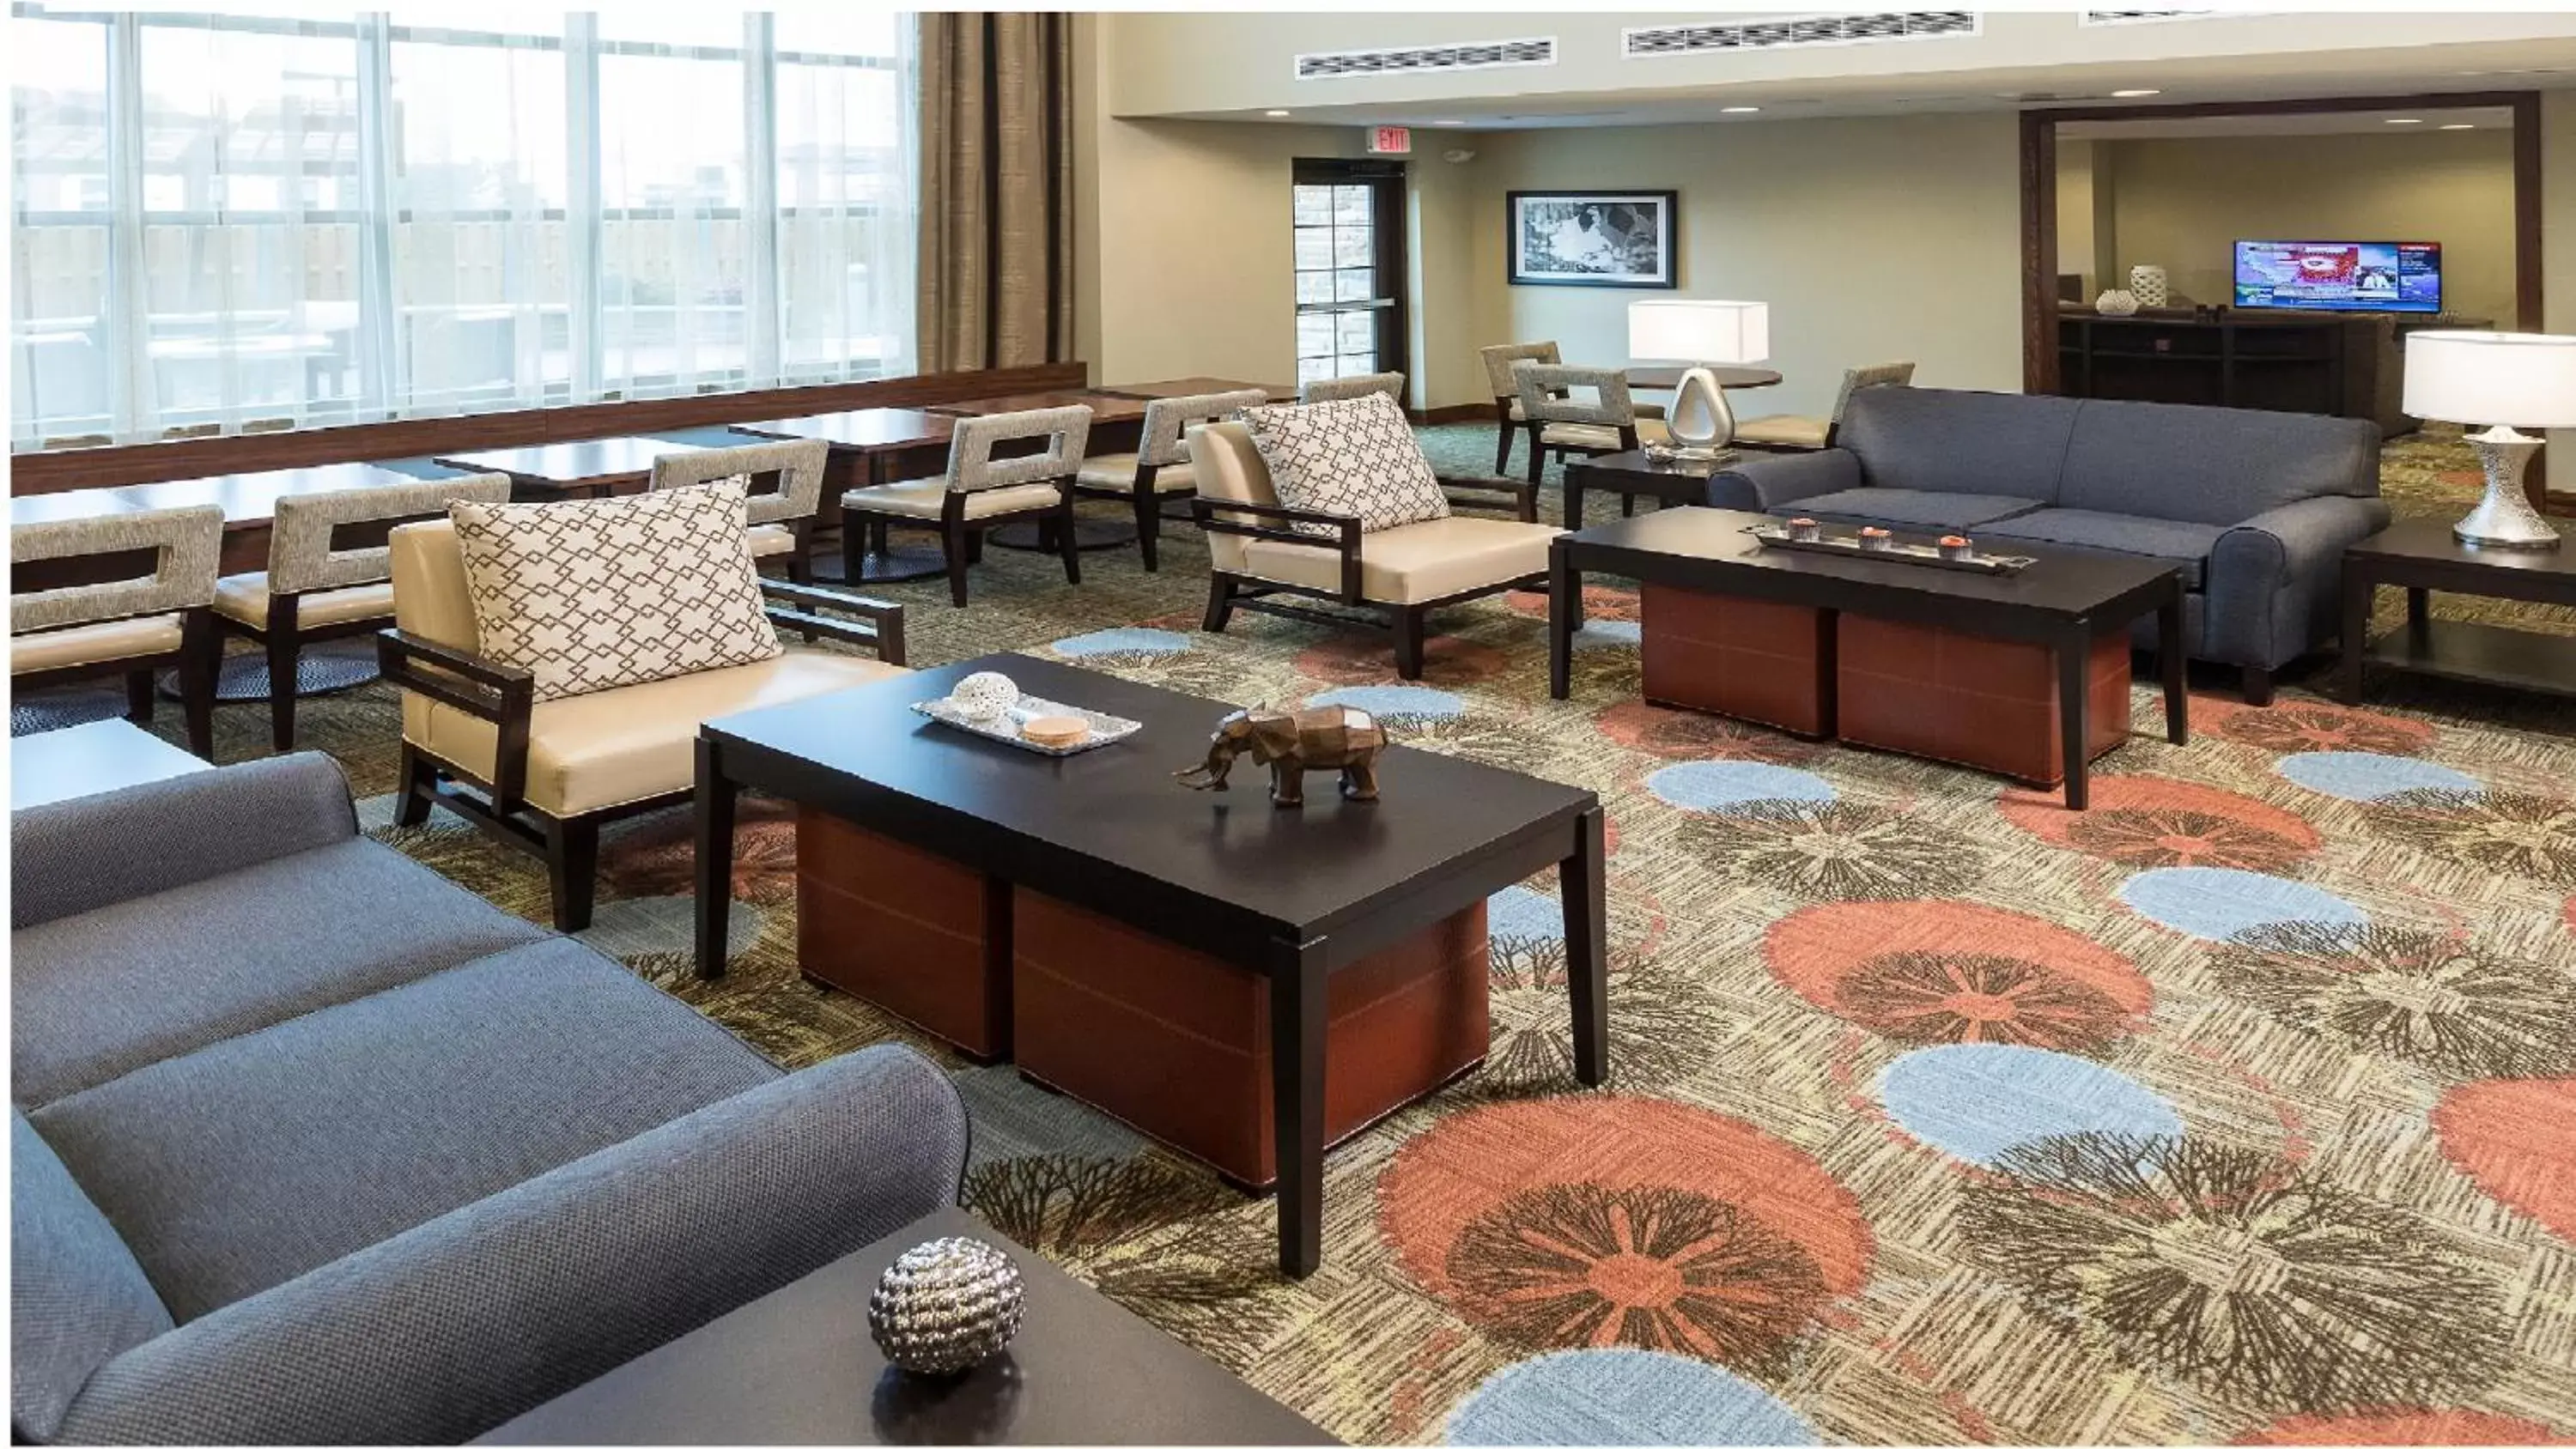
[1470,55]
[1782,32]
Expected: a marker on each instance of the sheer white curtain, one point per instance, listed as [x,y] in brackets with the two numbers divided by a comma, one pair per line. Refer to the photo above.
[236,219]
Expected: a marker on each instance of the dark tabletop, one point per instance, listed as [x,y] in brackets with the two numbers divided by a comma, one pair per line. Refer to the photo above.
[249,500]
[592,463]
[1667,379]
[1105,407]
[2430,540]
[1637,460]
[1200,386]
[2065,583]
[798,1367]
[867,430]
[1287,873]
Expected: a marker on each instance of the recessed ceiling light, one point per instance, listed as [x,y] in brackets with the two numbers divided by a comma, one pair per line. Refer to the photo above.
[2461,126]
[2133,95]
[1737,110]
[2405,120]
[1448,123]
[1274,113]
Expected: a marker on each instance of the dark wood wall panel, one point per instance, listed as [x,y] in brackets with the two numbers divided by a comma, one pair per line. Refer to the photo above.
[54,472]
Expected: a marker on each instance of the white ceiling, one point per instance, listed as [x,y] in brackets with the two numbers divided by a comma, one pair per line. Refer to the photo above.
[2415,120]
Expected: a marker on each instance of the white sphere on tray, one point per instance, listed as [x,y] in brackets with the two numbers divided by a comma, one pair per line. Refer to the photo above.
[984,696]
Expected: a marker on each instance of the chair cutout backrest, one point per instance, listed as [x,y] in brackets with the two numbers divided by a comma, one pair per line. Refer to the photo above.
[1500,360]
[972,466]
[325,541]
[1342,389]
[158,561]
[1557,393]
[1884,374]
[785,479]
[1168,419]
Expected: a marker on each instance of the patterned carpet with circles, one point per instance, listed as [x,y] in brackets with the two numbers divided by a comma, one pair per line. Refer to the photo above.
[2240,1108]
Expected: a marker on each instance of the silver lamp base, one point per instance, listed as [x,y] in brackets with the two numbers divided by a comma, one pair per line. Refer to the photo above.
[1700,419]
[2504,518]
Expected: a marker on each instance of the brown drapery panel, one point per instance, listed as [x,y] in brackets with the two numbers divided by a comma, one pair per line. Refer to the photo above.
[996,265]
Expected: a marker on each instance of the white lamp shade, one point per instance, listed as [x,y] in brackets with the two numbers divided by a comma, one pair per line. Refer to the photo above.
[2519,379]
[1699,332]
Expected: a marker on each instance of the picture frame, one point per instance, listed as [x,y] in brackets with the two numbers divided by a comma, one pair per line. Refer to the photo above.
[1596,238]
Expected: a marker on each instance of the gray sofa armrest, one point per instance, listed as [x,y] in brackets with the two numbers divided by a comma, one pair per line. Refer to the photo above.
[2274,581]
[95,850]
[1758,484]
[472,1318]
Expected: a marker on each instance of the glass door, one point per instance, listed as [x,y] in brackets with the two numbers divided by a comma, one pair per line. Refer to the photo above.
[1349,218]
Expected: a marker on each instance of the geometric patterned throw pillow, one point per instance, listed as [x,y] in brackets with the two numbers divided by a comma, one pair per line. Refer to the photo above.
[596,594]
[1356,456]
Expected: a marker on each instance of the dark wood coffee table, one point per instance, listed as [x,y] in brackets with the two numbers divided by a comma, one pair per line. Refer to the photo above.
[2064,601]
[1289,895]
[798,1367]
[1635,475]
[2419,555]
[593,468]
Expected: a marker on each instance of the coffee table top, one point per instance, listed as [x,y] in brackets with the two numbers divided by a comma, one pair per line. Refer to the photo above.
[1210,864]
[798,1367]
[1105,407]
[1638,460]
[592,463]
[2061,583]
[2431,540]
[90,759]
[866,430]
[249,500]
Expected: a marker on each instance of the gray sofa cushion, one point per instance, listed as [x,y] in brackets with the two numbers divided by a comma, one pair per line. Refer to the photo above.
[2211,465]
[1934,440]
[77,1298]
[102,993]
[1909,509]
[240,1166]
[2187,544]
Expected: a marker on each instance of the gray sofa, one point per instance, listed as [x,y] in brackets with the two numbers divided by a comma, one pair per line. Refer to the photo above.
[310,1145]
[2256,508]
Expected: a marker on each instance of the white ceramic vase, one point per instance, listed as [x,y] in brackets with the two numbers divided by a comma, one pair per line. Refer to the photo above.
[2116,303]
[2150,286]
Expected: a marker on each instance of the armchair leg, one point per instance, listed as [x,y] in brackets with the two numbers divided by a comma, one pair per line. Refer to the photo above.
[1408,641]
[1068,543]
[955,541]
[2258,686]
[283,646]
[1149,525]
[1503,444]
[201,646]
[800,560]
[1537,458]
[856,530]
[138,696]
[419,782]
[572,870]
[1220,608]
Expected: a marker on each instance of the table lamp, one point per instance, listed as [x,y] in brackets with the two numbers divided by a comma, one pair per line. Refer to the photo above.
[2507,380]
[1696,334]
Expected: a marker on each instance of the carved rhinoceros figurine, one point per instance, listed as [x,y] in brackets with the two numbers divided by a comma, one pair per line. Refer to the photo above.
[1335,737]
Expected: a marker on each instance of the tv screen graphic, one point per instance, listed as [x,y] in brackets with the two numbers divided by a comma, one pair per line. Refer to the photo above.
[2340,276]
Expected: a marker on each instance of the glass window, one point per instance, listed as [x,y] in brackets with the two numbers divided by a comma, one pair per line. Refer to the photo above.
[1336,253]
[59,338]
[672,185]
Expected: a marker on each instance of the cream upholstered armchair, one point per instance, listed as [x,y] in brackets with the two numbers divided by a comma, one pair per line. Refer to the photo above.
[1561,418]
[1160,466]
[82,606]
[330,575]
[543,776]
[786,485]
[1334,389]
[1396,576]
[980,492]
[1787,433]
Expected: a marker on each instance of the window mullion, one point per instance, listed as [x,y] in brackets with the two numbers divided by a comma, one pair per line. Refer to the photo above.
[761,363]
[130,402]
[582,223]
[384,371]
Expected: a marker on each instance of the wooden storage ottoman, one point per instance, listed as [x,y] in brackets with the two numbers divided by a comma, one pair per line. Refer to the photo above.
[1987,703]
[1769,663]
[1177,1044]
[915,933]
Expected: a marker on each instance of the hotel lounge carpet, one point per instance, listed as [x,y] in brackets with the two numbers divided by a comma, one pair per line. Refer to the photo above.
[2240,1108]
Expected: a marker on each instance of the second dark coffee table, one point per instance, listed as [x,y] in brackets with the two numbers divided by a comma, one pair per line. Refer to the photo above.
[1633,474]
[1290,895]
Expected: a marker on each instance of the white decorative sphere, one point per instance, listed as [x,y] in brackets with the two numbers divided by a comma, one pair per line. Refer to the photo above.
[984,696]
[2116,303]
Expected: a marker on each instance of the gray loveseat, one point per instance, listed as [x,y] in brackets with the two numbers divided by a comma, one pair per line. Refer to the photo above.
[2256,508]
[310,1145]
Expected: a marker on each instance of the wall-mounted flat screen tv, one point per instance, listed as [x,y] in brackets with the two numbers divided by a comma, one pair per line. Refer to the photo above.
[2340,276]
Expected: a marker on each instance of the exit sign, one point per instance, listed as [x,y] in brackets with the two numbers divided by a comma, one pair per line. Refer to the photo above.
[1391,141]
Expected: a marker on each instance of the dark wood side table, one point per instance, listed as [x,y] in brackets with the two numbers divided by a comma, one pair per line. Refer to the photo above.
[798,1367]
[1634,475]
[2420,555]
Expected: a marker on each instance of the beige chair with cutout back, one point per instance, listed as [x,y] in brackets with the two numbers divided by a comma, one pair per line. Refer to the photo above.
[1160,466]
[330,575]
[1586,410]
[980,492]
[1787,433]
[119,595]
[1341,389]
[1397,575]
[786,483]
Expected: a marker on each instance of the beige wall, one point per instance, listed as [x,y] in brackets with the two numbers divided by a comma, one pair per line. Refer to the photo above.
[2182,203]
[1872,241]
[2075,197]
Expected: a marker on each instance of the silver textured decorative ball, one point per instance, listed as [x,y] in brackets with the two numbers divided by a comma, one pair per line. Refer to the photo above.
[946,1306]
[984,695]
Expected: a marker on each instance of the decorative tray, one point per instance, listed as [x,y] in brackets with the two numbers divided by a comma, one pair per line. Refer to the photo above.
[1106,729]
[1848,545]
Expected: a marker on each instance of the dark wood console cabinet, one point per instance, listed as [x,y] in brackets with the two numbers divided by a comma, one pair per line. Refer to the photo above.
[2299,363]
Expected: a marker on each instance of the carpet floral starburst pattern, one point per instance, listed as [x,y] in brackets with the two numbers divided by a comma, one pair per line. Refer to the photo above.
[2239,1108]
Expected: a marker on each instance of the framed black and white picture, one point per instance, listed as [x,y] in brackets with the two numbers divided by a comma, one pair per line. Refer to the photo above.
[1591,238]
